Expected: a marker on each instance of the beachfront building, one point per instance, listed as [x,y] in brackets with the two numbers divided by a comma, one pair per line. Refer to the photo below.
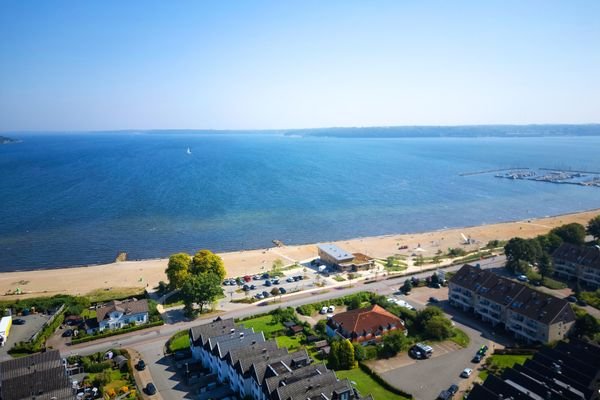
[119,314]
[364,325]
[578,262]
[259,369]
[529,315]
[40,376]
[341,260]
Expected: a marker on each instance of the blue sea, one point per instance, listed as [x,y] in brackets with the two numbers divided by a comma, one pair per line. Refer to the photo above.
[76,199]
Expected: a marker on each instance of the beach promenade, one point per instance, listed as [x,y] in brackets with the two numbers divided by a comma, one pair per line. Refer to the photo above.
[147,273]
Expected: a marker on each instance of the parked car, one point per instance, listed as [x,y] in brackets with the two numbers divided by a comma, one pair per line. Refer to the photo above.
[18,321]
[482,350]
[266,294]
[289,279]
[434,300]
[252,287]
[226,282]
[275,281]
[150,389]
[323,310]
[536,283]
[477,358]
[466,373]
[266,275]
[436,285]
[581,302]
[282,290]
[453,388]
[67,333]
[245,288]
[445,395]
[268,283]
[259,296]
[522,278]
[331,309]
[247,278]
[300,277]
[256,277]
[141,365]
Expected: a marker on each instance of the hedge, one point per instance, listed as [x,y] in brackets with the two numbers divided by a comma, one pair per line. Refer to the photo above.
[383,382]
[117,332]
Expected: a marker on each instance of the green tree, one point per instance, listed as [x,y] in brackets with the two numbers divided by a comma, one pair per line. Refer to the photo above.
[202,289]
[438,327]
[321,327]
[549,242]
[346,355]
[178,269]
[275,291]
[573,233]
[422,316]
[546,265]
[207,261]
[354,303]
[407,287]
[519,249]
[393,343]
[277,265]
[586,325]
[360,354]
[333,358]
[593,227]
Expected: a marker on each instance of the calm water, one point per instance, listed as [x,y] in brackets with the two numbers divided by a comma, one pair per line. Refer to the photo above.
[79,199]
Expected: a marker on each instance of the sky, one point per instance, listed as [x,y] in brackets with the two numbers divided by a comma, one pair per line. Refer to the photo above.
[102,65]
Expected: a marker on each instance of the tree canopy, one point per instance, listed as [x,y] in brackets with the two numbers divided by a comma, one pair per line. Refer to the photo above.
[519,249]
[202,289]
[571,233]
[178,269]
[393,343]
[341,355]
[205,261]
[593,227]
[546,265]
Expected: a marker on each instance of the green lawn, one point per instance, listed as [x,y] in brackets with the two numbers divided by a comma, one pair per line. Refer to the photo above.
[100,295]
[496,364]
[179,341]
[460,338]
[366,385]
[265,324]
[291,342]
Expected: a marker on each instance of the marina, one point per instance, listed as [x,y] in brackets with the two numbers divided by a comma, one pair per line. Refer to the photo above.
[581,178]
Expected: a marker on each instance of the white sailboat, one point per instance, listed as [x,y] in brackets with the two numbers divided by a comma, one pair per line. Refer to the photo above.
[189,151]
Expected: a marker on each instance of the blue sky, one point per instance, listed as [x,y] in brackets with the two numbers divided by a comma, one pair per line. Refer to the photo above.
[83,65]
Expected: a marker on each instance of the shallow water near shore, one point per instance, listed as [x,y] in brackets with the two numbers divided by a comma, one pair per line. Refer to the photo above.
[79,199]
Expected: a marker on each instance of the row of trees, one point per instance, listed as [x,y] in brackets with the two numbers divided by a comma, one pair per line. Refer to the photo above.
[199,278]
[521,253]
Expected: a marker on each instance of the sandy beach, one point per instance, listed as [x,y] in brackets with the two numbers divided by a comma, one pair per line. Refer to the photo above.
[147,273]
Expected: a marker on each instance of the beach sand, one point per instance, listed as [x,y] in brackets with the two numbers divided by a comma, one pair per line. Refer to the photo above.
[147,273]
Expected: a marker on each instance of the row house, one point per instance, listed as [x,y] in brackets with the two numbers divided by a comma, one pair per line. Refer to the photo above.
[578,262]
[257,368]
[529,315]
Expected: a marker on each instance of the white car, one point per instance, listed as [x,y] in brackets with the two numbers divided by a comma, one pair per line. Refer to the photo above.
[331,309]
[323,310]
[466,373]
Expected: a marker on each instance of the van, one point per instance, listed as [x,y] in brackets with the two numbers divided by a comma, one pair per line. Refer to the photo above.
[421,350]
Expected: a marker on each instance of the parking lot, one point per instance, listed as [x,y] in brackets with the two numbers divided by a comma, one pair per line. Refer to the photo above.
[22,333]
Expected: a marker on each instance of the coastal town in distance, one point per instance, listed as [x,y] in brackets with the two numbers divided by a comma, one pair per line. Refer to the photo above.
[309,200]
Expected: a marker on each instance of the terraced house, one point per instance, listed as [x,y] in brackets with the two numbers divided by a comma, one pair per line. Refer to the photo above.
[259,369]
[578,262]
[530,315]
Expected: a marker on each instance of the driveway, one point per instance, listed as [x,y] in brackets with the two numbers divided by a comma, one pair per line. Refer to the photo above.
[22,333]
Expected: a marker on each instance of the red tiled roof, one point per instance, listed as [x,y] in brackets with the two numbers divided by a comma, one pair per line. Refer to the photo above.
[369,320]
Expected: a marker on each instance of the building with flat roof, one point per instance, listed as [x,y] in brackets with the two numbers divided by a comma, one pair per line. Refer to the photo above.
[342,260]
[40,376]
[364,325]
[529,315]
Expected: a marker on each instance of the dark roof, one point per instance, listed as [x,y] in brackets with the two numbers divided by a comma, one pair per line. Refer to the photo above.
[40,376]
[244,365]
[223,347]
[230,334]
[272,383]
[366,320]
[588,256]
[516,296]
[251,351]
[127,307]
[201,333]
[259,368]
[300,389]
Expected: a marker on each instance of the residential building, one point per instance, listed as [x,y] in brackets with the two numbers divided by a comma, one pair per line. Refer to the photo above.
[342,260]
[257,368]
[578,262]
[118,314]
[529,315]
[364,325]
[567,371]
[41,376]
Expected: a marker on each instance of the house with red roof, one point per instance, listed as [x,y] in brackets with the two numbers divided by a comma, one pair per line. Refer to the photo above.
[364,325]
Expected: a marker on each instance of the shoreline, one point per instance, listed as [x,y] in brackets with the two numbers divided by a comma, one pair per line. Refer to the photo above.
[79,280]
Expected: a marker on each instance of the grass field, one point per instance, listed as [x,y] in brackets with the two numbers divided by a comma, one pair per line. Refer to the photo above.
[101,295]
[265,324]
[366,385]
[179,341]
[499,362]
[460,338]
[291,342]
